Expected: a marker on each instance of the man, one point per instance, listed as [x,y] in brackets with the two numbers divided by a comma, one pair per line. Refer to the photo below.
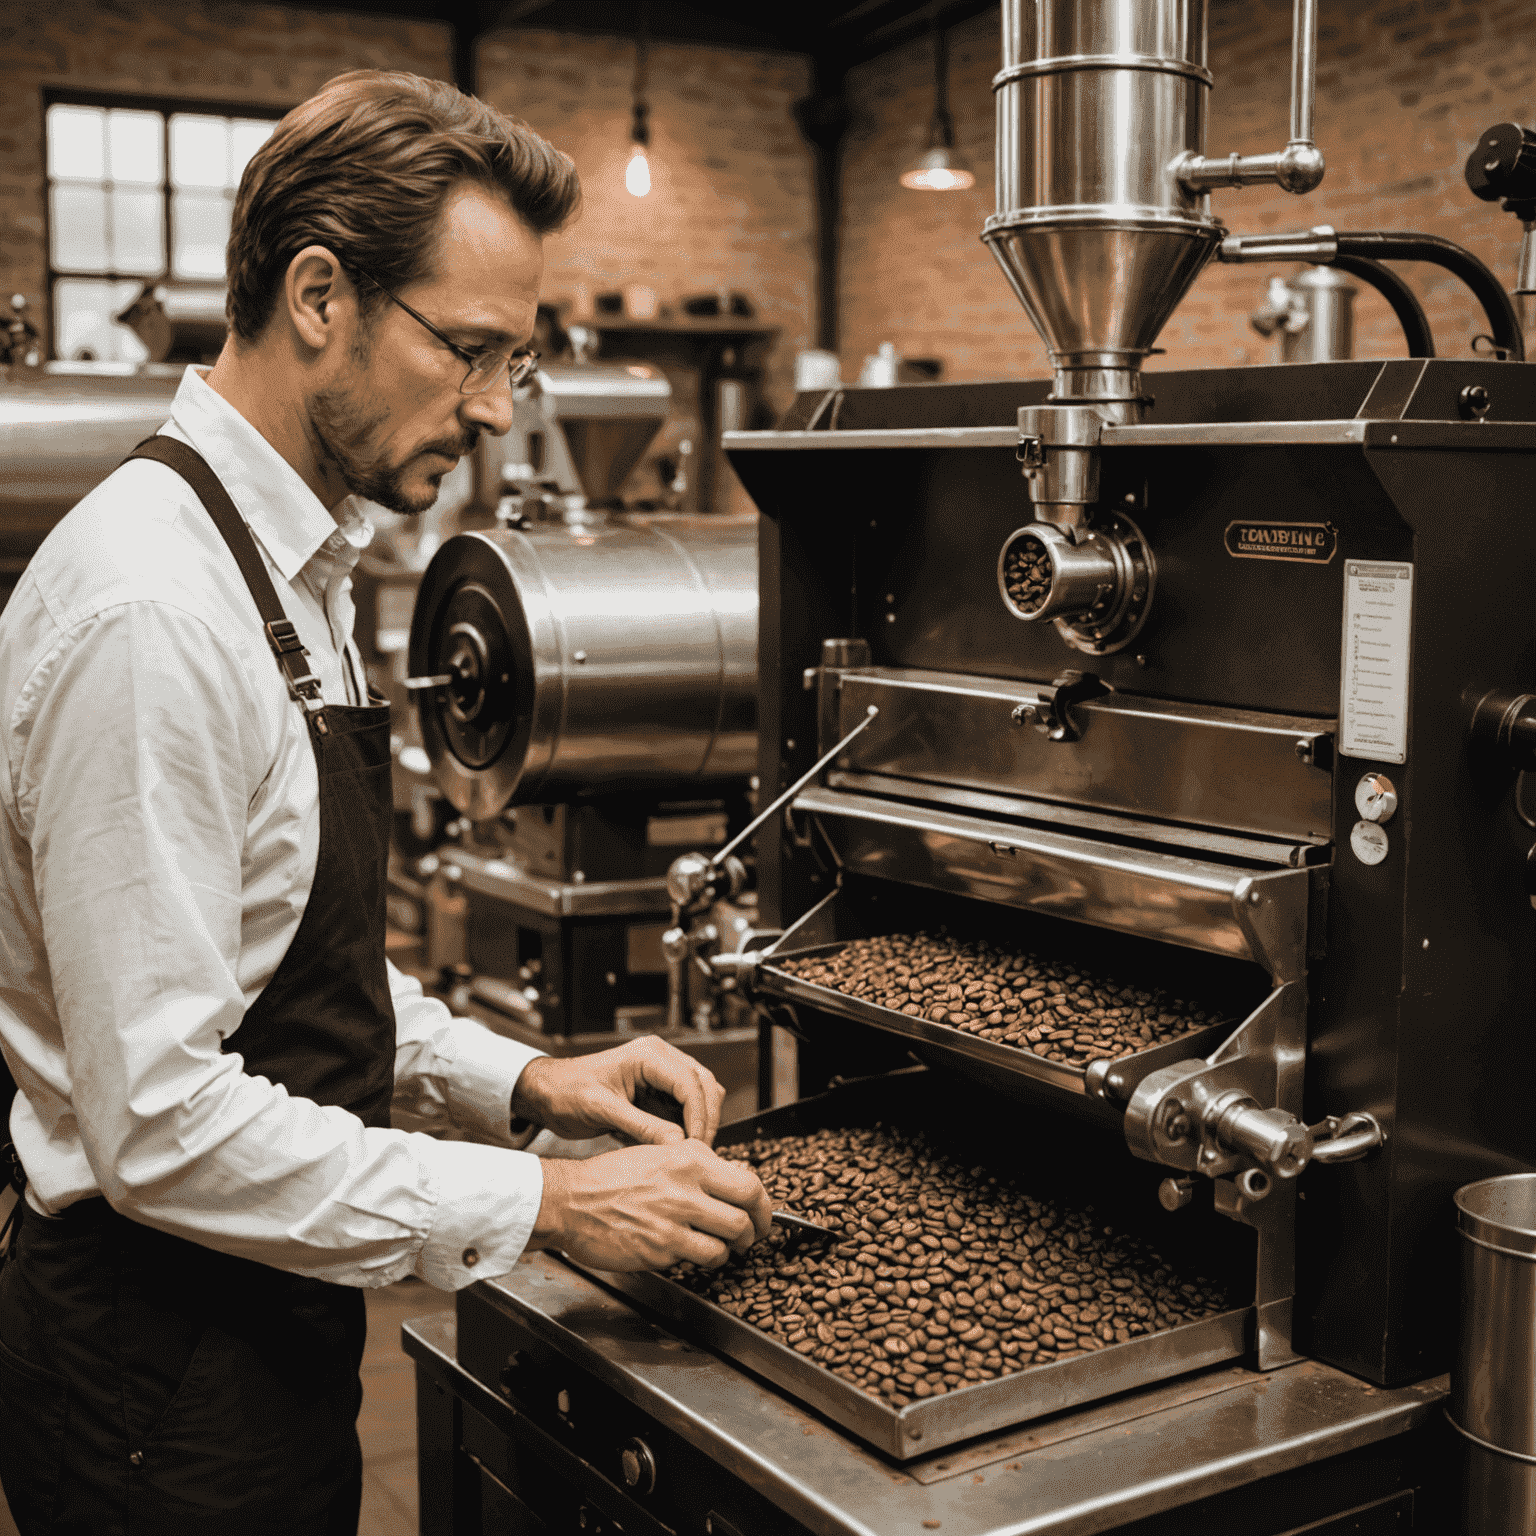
[194,805]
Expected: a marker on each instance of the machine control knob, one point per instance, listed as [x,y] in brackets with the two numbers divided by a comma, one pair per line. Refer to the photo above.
[1376,798]
[1175,1194]
[638,1466]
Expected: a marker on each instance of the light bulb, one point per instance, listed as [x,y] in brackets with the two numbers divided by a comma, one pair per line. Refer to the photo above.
[637,174]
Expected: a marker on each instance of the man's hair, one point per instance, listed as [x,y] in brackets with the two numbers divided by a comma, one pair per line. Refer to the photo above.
[364,168]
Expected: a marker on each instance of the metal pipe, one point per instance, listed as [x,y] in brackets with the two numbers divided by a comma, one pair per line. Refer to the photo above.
[1300,165]
[1303,70]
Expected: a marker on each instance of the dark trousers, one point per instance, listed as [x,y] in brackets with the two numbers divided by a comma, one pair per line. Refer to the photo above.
[152,1387]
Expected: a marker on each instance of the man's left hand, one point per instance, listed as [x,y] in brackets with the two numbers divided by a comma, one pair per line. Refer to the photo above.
[581,1096]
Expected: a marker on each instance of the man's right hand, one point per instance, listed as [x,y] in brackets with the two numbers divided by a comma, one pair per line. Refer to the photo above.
[650,1207]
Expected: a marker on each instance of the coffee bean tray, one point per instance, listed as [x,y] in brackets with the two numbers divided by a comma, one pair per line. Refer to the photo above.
[919,1427]
[997,1056]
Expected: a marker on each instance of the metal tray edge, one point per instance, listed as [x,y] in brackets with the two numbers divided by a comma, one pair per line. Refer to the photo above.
[1006,1058]
[964,1414]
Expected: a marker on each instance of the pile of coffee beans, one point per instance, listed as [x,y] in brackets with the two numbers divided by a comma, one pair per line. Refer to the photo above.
[1048,1007]
[942,1277]
[1027,574]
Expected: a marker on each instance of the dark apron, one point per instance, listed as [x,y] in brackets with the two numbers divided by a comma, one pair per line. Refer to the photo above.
[150,1386]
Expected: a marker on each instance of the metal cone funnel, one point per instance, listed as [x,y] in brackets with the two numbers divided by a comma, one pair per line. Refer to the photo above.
[1100,291]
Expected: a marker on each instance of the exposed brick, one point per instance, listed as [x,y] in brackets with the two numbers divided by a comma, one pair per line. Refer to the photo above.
[1396,130]
[732,203]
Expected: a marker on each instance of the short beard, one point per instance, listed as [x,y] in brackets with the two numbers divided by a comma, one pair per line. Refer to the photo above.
[344,425]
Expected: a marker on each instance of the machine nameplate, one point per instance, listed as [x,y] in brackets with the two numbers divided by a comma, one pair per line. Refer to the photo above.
[1373,693]
[1304,543]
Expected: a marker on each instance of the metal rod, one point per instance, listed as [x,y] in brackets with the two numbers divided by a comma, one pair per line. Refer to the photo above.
[793,790]
[1303,70]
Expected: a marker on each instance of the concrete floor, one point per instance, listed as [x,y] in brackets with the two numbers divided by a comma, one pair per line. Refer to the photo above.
[387,1425]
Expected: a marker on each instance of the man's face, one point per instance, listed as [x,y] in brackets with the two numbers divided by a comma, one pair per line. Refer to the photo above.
[390,417]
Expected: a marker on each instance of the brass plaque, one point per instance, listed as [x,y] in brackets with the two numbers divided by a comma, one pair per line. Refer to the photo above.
[1304,543]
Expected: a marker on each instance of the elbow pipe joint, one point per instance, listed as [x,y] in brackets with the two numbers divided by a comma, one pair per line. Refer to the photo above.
[1300,167]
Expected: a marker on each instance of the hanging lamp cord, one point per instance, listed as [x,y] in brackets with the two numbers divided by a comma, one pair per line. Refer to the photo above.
[943,128]
[640,129]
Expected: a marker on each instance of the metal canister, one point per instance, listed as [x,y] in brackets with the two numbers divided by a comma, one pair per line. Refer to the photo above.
[1493,1387]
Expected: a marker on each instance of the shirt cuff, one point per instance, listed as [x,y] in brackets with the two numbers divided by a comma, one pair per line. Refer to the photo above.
[486,1067]
[487,1205]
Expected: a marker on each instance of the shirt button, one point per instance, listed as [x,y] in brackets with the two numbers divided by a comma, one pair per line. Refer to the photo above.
[471,1257]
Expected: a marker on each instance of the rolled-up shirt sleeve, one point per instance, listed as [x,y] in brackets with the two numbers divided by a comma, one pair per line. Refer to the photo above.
[139,761]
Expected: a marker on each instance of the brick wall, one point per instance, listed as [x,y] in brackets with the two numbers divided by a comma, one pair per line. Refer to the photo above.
[1404,88]
[732,205]
[191,49]
[732,198]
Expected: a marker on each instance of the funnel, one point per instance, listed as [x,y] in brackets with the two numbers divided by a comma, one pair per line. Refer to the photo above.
[1102,218]
[1097,105]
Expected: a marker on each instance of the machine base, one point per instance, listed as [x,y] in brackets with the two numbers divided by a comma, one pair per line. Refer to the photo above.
[552,1405]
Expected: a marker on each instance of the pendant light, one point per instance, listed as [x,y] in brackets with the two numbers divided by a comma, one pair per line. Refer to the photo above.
[940,167]
[637,174]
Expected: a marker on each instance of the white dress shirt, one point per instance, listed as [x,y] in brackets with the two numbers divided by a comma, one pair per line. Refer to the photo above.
[159,829]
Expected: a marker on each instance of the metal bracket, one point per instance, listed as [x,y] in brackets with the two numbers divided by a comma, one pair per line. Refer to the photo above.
[1053,717]
[1234,1113]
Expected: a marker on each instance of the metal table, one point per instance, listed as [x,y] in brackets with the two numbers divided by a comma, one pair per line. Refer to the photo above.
[1252,1453]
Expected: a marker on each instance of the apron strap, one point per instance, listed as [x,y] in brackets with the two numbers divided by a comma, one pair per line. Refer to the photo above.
[187,462]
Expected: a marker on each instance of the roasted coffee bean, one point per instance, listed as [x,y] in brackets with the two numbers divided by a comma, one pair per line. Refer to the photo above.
[1032,1003]
[1030,1281]
[1027,574]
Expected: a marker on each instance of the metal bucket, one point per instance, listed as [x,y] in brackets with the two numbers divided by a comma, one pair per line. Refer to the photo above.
[1493,1388]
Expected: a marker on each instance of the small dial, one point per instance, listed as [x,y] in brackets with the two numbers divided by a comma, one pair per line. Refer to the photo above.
[1368,842]
[1376,798]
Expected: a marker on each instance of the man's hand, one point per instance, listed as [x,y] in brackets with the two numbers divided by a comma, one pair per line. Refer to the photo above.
[581,1096]
[651,1207]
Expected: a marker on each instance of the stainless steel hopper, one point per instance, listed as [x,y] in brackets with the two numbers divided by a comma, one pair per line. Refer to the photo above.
[1103,217]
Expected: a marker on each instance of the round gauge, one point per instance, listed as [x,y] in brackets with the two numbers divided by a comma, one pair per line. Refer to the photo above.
[1376,798]
[1368,842]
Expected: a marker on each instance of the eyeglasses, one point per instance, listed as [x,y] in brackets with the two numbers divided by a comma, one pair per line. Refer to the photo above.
[484,366]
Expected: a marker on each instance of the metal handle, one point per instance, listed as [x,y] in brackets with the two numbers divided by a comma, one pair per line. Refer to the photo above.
[1346,1139]
[1300,165]
[794,789]
[693,881]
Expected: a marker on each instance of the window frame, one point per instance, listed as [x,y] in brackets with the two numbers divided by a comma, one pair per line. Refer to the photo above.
[167,107]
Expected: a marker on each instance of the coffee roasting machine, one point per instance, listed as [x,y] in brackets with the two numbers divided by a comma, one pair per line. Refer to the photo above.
[586,687]
[1216,680]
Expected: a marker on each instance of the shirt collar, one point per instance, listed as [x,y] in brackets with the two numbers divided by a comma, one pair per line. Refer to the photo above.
[289,519]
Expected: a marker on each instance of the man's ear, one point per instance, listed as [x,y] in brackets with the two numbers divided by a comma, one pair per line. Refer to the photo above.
[319,298]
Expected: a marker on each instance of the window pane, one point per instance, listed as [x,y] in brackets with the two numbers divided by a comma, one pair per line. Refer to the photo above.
[199,233]
[245,138]
[78,228]
[76,143]
[138,236]
[199,151]
[83,325]
[135,141]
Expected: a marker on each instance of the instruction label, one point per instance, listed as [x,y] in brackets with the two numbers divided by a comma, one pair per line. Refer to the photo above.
[1378,626]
